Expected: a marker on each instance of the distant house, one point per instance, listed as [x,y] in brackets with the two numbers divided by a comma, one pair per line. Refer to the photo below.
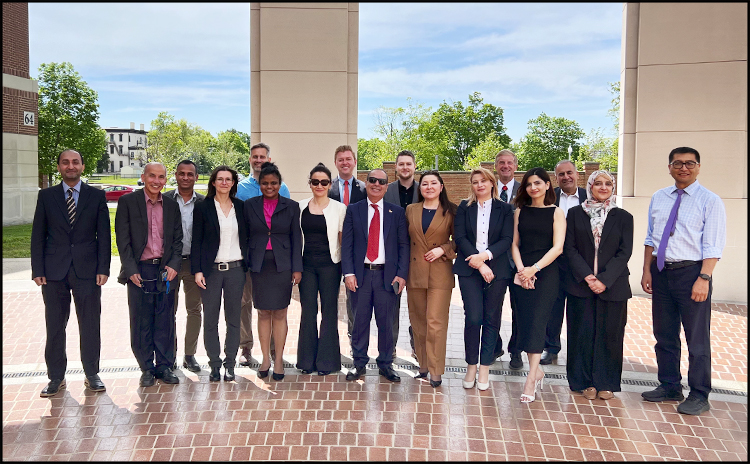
[126,148]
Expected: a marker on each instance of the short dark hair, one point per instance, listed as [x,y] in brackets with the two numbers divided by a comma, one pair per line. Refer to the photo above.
[407,153]
[212,189]
[523,198]
[685,150]
[261,145]
[187,161]
[320,167]
[269,168]
[377,169]
[70,149]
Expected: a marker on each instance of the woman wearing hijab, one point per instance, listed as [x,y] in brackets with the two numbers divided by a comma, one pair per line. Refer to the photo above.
[598,245]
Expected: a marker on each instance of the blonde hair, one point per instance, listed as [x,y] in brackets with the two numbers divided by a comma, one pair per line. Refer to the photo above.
[487,175]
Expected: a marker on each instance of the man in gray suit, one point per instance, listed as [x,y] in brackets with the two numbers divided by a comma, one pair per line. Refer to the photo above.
[186,197]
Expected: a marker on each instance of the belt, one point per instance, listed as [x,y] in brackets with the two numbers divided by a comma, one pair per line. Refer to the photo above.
[185,256]
[375,267]
[680,264]
[151,261]
[227,266]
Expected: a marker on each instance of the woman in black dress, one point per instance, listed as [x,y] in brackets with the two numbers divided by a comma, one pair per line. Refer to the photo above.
[538,239]
[598,245]
[275,258]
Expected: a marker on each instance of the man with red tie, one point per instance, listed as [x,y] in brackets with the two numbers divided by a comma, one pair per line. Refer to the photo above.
[375,263]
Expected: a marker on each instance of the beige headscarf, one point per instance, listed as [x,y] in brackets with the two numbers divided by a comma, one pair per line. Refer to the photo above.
[598,210]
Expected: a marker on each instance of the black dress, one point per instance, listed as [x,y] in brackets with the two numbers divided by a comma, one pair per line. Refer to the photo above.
[535,306]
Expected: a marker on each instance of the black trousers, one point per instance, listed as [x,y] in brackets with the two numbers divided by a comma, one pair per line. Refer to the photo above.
[152,326]
[554,326]
[514,330]
[319,351]
[371,296]
[596,329]
[671,305]
[231,283]
[482,307]
[88,299]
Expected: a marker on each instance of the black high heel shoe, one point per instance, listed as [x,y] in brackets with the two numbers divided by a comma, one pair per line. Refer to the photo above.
[435,383]
[263,374]
[278,376]
[421,375]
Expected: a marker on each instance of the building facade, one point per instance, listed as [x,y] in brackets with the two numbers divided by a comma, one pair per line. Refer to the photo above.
[126,148]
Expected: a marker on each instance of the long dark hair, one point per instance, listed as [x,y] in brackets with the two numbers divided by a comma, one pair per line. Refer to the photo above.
[523,198]
[214,173]
[446,204]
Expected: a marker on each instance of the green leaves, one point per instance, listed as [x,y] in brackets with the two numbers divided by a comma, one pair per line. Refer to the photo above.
[547,141]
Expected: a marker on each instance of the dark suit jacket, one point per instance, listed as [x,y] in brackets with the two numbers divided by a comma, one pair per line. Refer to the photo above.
[207,235]
[131,229]
[562,261]
[392,195]
[359,191]
[395,236]
[615,248]
[581,195]
[285,234]
[55,246]
[500,238]
[513,194]
[174,193]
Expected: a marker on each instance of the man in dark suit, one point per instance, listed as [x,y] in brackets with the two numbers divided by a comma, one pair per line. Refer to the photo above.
[347,189]
[374,259]
[71,251]
[148,226]
[186,197]
[567,195]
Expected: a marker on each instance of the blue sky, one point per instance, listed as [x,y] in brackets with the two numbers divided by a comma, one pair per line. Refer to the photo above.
[193,60]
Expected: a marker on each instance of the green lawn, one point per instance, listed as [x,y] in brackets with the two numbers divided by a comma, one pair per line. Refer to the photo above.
[202,179]
[17,241]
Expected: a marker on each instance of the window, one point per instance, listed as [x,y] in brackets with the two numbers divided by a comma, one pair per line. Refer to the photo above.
[112,163]
[120,146]
[120,164]
[120,137]
[112,137]
[112,147]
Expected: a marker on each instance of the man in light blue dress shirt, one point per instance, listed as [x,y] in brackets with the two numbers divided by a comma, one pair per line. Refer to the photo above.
[684,240]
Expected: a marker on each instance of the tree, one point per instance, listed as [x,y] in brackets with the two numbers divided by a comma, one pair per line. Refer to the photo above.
[485,151]
[600,148]
[547,141]
[68,118]
[371,153]
[170,141]
[103,162]
[229,149]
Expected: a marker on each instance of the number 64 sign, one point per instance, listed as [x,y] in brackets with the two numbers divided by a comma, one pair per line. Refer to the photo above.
[28,118]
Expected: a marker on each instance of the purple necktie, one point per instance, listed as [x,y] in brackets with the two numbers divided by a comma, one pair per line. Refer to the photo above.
[661,253]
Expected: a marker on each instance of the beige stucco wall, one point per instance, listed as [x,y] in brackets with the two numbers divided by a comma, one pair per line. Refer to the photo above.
[684,83]
[303,84]
[20,178]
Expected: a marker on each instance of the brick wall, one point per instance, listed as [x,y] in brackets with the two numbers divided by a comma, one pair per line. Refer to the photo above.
[16,39]
[15,102]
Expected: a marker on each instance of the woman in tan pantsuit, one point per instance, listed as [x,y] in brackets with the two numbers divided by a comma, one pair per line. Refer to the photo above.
[431,280]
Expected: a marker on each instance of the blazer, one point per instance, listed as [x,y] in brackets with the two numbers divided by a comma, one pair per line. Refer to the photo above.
[334,215]
[513,193]
[173,195]
[392,195]
[207,235]
[562,261]
[131,230]
[422,273]
[615,248]
[285,234]
[56,246]
[359,191]
[395,236]
[581,195]
[500,238]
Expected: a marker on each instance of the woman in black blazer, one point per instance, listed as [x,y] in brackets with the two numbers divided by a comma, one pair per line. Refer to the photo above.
[483,232]
[220,241]
[275,261]
[598,245]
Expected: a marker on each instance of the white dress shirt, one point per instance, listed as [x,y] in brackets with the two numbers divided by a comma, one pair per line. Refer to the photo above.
[509,192]
[229,236]
[484,210]
[568,201]
[381,243]
[186,211]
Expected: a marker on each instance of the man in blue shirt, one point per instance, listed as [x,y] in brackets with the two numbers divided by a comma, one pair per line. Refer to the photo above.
[249,188]
[686,234]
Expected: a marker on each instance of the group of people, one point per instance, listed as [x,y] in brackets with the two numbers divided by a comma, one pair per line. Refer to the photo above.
[553,249]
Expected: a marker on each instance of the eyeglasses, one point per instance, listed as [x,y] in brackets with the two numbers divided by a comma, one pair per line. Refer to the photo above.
[375,180]
[679,164]
[316,182]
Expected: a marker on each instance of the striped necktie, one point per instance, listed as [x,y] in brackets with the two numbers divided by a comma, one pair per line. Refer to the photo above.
[71,207]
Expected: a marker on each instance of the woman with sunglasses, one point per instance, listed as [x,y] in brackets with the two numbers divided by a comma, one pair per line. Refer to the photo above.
[431,281]
[321,220]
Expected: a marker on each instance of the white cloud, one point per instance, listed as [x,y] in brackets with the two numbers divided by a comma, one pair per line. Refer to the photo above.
[212,93]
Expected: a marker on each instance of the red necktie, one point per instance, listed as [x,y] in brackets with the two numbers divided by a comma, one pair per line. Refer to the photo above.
[346,193]
[373,240]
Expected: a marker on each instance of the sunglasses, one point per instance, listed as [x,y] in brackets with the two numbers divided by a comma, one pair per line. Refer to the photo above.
[316,182]
[375,180]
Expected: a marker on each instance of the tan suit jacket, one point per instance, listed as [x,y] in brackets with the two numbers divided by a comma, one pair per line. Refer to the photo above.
[422,273]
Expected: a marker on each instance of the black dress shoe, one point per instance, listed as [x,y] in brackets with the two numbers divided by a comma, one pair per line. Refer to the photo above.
[147,379]
[94,383]
[306,371]
[389,374]
[516,362]
[421,375]
[693,405]
[356,373]
[435,383]
[324,372]
[167,376]
[191,364]
[215,374]
[664,393]
[53,387]
[548,358]
[229,373]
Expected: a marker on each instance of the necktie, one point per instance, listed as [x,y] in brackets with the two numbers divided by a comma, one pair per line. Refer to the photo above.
[71,207]
[373,239]
[504,194]
[346,193]
[661,253]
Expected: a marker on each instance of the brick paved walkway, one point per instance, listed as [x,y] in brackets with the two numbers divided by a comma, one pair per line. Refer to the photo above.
[306,417]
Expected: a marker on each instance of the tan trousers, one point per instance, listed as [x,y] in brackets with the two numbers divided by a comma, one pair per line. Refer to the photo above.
[192,304]
[246,315]
[428,313]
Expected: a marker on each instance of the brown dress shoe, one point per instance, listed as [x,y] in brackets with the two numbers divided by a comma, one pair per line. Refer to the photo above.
[589,393]
[606,395]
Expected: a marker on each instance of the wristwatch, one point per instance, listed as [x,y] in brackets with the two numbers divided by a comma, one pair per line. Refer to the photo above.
[705,277]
